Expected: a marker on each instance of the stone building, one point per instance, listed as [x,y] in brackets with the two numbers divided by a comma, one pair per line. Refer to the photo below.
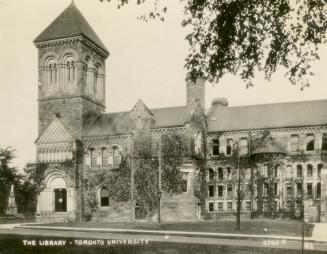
[73,127]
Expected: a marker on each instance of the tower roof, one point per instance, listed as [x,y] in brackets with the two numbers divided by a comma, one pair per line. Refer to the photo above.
[70,23]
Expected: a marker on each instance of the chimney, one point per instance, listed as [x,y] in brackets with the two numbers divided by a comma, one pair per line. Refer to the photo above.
[195,91]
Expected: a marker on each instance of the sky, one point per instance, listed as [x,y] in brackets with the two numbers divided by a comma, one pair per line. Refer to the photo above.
[146,62]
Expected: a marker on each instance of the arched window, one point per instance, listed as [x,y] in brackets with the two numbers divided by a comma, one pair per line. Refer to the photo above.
[69,69]
[220,174]
[309,170]
[320,166]
[93,156]
[310,142]
[211,174]
[299,172]
[104,157]
[50,71]
[88,70]
[116,156]
[104,197]
[98,76]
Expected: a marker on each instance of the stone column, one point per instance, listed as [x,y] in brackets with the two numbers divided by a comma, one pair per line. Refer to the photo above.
[323,200]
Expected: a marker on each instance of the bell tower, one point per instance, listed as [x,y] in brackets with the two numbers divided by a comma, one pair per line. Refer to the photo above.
[71,73]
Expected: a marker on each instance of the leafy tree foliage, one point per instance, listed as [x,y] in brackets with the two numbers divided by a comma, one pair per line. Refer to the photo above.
[244,37]
[7,176]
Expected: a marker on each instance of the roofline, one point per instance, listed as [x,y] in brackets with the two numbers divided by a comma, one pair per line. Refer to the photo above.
[267,104]
[128,111]
[81,35]
[270,128]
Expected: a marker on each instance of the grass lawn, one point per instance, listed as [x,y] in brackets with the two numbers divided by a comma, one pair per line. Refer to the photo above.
[255,226]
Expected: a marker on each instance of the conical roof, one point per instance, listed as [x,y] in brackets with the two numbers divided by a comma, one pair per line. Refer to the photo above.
[70,23]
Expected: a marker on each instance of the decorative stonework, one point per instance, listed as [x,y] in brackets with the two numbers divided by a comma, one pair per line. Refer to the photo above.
[70,41]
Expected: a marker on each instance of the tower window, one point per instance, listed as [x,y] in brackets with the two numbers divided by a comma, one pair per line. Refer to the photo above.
[215,147]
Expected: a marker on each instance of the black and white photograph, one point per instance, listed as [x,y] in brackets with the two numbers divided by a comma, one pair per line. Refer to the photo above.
[163,126]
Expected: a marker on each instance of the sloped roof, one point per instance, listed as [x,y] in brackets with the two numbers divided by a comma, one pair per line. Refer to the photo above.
[70,23]
[278,115]
[118,123]
[55,133]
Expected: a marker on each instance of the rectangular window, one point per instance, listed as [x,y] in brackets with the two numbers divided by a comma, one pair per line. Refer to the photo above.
[243,146]
[211,208]
[220,191]
[310,142]
[220,206]
[309,189]
[275,189]
[220,174]
[294,143]
[299,188]
[229,146]
[299,171]
[229,190]
[289,190]
[211,191]
[229,206]
[318,190]
[248,206]
[298,205]
[324,142]
[215,147]
[265,171]
[265,189]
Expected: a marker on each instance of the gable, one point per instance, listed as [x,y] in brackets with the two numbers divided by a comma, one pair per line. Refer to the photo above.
[55,133]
